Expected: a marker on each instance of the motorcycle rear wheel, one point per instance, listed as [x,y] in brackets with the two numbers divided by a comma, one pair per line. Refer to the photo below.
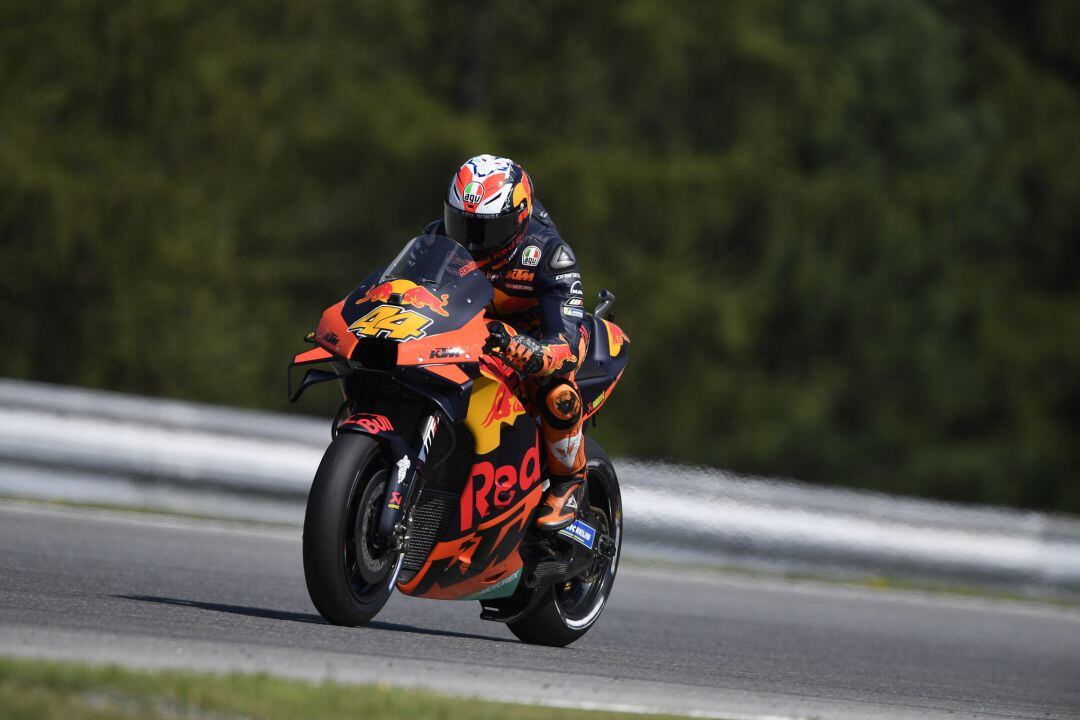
[350,574]
[570,609]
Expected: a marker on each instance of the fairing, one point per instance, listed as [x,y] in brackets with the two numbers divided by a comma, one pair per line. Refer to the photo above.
[432,288]
[605,360]
[476,555]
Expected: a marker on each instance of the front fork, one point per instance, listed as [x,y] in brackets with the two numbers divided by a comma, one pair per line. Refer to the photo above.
[401,489]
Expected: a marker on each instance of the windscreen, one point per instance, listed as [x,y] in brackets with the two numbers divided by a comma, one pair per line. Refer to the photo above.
[430,260]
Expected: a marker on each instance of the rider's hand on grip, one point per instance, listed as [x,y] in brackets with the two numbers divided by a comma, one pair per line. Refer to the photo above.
[523,352]
[498,338]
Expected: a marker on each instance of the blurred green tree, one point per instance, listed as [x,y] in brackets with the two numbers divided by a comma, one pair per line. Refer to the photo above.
[843,233]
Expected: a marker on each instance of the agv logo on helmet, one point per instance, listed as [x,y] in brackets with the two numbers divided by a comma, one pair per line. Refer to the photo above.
[488,204]
[474,192]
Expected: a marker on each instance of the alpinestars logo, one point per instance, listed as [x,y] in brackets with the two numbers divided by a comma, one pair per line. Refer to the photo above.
[402,469]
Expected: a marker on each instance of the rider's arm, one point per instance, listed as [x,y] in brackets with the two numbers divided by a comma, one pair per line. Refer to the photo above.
[562,312]
[558,286]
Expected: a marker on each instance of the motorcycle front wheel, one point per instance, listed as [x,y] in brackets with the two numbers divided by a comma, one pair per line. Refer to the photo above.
[350,572]
[571,608]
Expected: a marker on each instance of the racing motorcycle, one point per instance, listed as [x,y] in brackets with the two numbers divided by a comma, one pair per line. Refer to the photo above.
[434,474]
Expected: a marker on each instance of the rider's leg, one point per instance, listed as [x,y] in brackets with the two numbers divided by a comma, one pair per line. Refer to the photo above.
[561,423]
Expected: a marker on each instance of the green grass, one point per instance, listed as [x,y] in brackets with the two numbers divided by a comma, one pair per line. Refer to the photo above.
[36,690]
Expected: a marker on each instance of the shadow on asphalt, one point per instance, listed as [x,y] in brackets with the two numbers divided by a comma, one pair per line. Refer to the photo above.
[270,614]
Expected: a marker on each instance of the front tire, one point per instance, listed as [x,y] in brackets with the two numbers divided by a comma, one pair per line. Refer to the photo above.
[350,574]
[570,609]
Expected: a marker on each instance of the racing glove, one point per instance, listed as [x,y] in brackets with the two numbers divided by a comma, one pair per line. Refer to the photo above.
[524,353]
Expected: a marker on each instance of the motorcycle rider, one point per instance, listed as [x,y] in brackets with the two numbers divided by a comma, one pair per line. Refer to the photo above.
[539,329]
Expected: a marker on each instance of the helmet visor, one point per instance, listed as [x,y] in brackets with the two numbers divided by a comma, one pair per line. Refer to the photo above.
[479,233]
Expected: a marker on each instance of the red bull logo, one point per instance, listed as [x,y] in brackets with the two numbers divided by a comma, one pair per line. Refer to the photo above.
[409,294]
[616,337]
[420,297]
[503,406]
[379,293]
[490,488]
[371,423]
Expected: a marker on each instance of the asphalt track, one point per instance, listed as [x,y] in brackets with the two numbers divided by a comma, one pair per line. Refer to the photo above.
[163,592]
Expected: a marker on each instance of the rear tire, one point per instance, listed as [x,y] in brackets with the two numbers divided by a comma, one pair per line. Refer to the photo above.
[349,575]
[568,611]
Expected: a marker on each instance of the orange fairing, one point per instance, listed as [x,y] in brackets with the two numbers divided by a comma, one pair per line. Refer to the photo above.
[451,372]
[616,337]
[312,356]
[602,398]
[463,345]
[333,334]
[460,553]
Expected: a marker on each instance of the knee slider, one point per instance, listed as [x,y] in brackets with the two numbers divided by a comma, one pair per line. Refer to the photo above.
[562,406]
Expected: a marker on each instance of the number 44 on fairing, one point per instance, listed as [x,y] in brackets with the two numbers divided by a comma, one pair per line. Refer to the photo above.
[391,321]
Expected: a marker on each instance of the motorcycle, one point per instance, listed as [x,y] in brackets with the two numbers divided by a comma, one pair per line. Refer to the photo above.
[435,472]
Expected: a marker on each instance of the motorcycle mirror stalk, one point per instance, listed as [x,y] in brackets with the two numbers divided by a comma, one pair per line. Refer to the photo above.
[607,299]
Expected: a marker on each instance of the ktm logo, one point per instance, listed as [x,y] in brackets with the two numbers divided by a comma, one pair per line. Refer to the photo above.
[491,488]
[520,275]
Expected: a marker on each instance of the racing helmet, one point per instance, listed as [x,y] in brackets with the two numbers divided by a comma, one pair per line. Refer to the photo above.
[488,204]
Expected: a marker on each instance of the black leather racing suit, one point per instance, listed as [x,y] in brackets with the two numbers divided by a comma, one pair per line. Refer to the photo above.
[538,292]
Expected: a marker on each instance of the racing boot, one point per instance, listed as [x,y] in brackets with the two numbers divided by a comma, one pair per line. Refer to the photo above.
[560,504]
[560,423]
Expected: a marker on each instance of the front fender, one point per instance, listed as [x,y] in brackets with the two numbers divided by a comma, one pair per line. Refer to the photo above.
[403,464]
